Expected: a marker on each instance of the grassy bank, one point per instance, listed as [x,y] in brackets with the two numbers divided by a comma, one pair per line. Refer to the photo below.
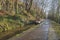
[56,27]
[8,34]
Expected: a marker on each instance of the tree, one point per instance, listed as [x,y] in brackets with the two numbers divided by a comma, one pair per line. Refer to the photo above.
[16,6]
[28,4]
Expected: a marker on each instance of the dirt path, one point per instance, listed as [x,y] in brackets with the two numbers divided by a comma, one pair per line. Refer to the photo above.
[42,32]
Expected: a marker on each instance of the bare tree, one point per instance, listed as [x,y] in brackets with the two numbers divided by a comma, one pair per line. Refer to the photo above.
[28,4]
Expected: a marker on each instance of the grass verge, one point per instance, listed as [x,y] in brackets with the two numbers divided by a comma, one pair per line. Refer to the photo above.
[56,27]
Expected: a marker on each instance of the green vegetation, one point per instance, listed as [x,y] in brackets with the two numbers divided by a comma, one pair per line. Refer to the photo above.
[14,15]
[56,27]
